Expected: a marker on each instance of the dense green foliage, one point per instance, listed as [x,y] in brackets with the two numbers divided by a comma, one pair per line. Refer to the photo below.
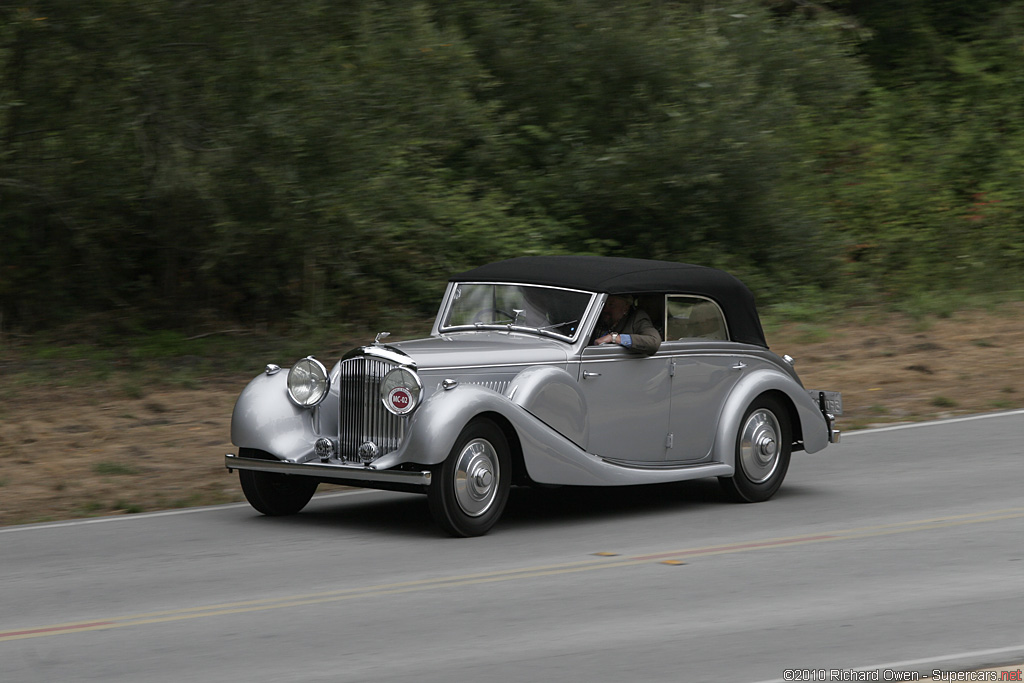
[177,161]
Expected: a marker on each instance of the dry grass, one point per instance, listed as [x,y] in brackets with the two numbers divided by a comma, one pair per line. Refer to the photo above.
[97,443]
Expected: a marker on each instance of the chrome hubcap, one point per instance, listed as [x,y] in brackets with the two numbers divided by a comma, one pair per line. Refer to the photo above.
[476,477]
[759,445]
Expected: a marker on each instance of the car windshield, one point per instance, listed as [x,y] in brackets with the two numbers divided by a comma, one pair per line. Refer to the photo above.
[546,310]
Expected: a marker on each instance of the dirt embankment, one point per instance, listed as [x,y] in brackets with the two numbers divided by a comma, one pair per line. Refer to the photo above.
[70,451]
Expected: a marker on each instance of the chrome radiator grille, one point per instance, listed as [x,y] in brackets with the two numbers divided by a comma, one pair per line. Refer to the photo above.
[363,415]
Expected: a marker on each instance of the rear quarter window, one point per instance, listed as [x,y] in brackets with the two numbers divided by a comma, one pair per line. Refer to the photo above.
[693,317]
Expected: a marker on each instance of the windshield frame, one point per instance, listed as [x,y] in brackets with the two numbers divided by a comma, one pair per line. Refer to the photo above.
[449,301]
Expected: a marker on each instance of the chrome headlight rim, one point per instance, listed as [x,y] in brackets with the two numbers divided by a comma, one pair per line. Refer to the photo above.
[308,382]
[401,390]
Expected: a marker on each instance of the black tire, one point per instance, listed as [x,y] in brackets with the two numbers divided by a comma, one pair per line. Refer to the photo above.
[276,495]
[470,488]
[764,444]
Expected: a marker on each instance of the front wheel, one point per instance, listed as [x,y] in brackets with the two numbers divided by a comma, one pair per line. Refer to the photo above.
[470,488]
[763,447]
[275,494]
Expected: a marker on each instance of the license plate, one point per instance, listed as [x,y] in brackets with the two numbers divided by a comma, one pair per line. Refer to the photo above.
[833,401]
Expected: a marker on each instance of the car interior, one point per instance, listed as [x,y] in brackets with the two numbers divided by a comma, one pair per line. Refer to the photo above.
[679,316]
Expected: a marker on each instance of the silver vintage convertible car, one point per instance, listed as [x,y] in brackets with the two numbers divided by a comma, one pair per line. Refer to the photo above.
[511,388]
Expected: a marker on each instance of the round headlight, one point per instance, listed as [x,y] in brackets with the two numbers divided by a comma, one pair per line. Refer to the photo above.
[400,391]
[308,382]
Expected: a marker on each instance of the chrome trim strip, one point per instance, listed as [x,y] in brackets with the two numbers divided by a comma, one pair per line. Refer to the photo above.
[463,368]
[328,471]
[716,467]
[659,356]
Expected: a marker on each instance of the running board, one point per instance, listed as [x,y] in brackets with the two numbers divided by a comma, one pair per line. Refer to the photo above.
[708,469]
[341,474]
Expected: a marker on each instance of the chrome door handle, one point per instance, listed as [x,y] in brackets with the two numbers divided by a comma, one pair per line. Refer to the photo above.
[590,374]
[739,366]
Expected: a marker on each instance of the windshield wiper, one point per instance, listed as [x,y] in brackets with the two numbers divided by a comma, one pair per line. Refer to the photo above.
[551,327]
[511,326]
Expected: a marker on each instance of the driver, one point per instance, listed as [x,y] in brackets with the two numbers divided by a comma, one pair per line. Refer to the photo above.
[623,323]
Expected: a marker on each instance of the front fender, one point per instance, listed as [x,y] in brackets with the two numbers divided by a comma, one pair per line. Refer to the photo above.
[265,418]
[554,397]
[812,423]
[434,427]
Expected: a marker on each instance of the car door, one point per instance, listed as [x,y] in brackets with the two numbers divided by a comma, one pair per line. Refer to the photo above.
[704,367]
[701,382]
[628,400]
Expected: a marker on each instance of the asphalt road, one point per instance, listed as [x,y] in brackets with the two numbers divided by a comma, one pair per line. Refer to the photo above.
[897,551]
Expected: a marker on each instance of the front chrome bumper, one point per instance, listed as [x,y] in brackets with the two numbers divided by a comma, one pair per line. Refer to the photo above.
[354,474]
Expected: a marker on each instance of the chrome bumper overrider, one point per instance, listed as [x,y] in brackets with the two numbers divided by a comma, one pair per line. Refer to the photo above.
[834,434]
[831,405]
[321,470]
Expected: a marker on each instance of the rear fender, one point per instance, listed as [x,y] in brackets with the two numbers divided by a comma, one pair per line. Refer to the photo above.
[811,422]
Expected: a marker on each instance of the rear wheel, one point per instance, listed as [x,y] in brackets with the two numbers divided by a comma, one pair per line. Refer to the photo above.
[470,488]
[763,447]
[276,494]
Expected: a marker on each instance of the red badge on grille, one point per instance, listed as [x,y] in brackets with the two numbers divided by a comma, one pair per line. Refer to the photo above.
[400,399]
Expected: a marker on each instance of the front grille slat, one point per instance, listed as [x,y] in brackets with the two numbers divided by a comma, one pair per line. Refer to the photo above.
[363,415]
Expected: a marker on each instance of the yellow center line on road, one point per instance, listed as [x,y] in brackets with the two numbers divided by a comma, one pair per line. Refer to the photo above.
[847,534]
[669,557]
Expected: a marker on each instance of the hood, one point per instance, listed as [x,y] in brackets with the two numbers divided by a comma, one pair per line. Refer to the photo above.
[482,348]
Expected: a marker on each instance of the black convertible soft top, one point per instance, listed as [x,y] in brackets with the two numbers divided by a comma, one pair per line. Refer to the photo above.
[632,276]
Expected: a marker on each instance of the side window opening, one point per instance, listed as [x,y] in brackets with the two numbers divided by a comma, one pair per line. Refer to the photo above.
[693,317]
[654,306]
